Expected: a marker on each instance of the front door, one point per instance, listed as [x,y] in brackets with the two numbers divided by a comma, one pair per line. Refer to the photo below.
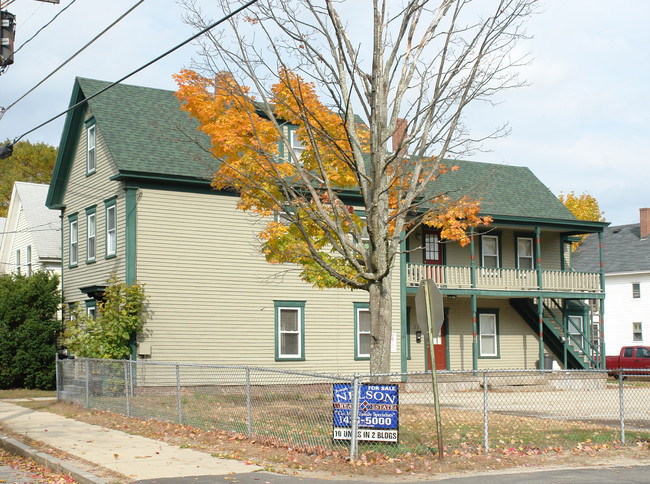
[432,254]
[439,350]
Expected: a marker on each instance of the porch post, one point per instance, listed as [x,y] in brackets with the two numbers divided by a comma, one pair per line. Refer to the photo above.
[474,337]
[402,307]
[602,301]
[538,258]
[540,313]
[472,261]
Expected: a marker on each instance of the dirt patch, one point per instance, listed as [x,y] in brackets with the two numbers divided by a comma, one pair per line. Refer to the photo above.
[322,463]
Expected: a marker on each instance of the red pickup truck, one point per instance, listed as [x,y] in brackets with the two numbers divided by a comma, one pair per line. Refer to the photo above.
[634,357]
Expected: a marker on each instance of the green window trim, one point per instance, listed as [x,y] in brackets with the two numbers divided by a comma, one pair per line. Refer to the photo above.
[360,308]
[91,234]
[73,240]
[110,237]
[488,328]
[91,146]
[297,334]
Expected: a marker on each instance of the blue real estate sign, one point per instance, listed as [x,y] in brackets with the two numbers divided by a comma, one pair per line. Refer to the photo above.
[378,412]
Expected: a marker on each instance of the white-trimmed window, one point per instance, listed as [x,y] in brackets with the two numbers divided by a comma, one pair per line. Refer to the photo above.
[92,312]
[576,329]
[488,338]
[525,258]
[91,242]
[362,331]
[296,145]
[28,260]
[91,154]
[637,332]
[290,324]
[636,290]
[490,251]
[111,229]
[74,241]
[18,261]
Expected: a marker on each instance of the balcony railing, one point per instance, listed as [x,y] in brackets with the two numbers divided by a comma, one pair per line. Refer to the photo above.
[453,277]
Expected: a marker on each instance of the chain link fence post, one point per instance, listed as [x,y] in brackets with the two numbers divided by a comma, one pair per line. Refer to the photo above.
[622,404]
[87,365]
[354,441]
[485,412]
[178,395]
[126,388]
[249,413]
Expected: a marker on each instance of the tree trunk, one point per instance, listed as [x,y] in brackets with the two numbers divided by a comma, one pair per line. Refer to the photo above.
[381,318]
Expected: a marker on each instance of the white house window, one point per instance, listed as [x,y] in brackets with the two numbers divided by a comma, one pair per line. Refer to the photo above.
[74,242]
[296,145]
[91,244]
[289,330]
[525,253]
[28,260]
[488,338]
[636,290]
[111,230]
[637,332]
[18,262]
[576,329]
[490,251]
[91,158]
[362,320]
[92,312]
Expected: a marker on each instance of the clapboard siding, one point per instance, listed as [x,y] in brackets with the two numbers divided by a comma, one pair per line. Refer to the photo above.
[82,192]
[212,293]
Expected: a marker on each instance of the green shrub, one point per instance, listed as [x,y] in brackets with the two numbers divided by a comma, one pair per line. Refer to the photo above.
[28,330]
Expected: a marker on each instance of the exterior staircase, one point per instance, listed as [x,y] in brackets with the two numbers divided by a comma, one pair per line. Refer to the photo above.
[556,338]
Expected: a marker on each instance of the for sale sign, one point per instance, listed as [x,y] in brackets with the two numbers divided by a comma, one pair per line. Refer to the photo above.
[378,412]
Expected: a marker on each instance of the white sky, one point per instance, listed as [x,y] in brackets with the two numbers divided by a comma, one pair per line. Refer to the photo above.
[583,124]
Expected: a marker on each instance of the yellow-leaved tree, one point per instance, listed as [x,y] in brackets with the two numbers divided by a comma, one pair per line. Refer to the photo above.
[584,207]
[301,119]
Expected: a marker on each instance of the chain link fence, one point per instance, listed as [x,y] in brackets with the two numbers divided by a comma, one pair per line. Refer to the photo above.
[393,415]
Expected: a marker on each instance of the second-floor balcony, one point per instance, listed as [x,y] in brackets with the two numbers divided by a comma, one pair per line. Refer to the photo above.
[454,277]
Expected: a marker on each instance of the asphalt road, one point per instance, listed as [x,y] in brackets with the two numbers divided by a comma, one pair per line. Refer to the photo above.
[10,476]
[600,475]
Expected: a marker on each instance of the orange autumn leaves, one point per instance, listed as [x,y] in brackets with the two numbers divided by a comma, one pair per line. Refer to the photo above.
[260,162]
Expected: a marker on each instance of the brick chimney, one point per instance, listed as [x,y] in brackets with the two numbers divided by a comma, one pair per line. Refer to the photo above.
[399,134]
[644,215]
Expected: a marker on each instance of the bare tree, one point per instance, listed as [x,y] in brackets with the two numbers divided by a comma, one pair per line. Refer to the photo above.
[425,63]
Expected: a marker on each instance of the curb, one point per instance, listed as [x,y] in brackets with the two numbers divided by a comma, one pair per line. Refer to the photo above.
[53,463]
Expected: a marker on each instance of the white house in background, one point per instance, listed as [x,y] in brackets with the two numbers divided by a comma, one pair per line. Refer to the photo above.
[32,232]
[626,260]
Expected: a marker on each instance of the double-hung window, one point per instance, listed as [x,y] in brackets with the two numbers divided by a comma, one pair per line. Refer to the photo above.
[488,338]
[289,330]
[28,260]
[18,261]
[111,228]
[525,248]
[637,332]
[91,153]
[74,241]
[636,290]
[576,329]
[91,234]
[490,251]
[361,331]
[296,145]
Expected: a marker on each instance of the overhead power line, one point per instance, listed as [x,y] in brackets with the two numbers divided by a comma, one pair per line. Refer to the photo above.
[4,110]
[44,26]
[6,148]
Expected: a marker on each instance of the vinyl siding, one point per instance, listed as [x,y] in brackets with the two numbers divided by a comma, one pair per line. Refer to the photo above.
[212,293]
[22,238]
[83,192]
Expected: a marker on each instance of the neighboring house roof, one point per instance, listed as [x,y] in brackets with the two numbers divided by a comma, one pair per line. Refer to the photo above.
[148,136]
[43,224]
[623,251]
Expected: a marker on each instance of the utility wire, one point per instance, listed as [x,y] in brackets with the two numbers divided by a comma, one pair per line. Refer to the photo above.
[44,27]
[178,46]
[4,110]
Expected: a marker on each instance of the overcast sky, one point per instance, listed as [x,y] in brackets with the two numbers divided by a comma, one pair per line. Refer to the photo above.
[583,124]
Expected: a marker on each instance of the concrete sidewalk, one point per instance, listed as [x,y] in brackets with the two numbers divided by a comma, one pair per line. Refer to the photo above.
[133,456]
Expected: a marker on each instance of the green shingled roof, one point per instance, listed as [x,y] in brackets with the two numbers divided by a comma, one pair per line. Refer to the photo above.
[149,136]
[147,133]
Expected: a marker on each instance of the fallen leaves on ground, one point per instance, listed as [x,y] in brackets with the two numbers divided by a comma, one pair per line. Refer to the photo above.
[32,469]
